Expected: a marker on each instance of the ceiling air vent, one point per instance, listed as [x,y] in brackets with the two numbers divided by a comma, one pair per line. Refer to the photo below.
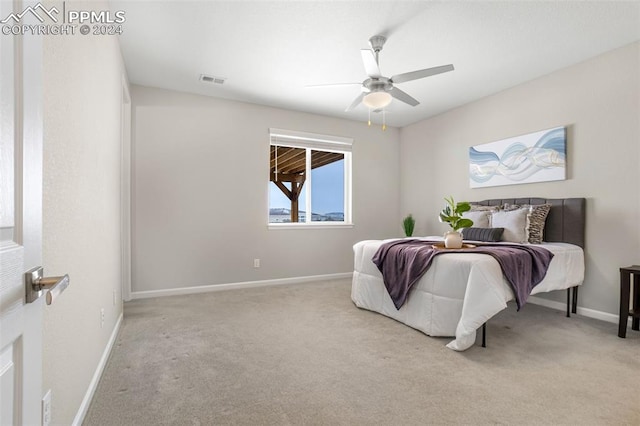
[211,79]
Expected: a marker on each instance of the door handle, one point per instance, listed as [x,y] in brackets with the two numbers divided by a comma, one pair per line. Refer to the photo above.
[35,284]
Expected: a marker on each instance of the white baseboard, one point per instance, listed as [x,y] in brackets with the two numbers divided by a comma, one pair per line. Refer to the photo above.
[591,313]
[86,401]
[231,286]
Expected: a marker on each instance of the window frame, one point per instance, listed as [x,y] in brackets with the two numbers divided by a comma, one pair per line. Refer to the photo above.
[314,142]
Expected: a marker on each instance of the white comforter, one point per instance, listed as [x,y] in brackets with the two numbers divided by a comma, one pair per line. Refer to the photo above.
[459,292]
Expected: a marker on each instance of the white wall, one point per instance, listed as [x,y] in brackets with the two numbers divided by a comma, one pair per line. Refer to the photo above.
[200,193]
[81,208]
[599,102]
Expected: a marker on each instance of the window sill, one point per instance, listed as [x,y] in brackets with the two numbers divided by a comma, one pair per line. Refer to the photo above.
[317,225]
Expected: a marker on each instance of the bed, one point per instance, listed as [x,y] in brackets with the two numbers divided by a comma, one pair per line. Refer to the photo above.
[460,292]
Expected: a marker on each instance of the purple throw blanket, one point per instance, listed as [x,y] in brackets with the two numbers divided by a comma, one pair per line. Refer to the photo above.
[403,262]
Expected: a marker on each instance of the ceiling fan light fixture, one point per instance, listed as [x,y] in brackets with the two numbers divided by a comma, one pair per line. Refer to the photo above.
[377,100]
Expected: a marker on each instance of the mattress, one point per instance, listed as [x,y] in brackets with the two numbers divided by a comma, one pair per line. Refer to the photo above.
[459,292]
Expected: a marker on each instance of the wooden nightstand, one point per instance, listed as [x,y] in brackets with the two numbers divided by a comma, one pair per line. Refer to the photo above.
[625,288]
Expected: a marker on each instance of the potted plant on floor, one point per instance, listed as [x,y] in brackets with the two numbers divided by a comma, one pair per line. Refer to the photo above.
[452,214]
[408,224]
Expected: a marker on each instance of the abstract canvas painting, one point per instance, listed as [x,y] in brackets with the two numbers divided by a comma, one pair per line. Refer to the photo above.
[535,157]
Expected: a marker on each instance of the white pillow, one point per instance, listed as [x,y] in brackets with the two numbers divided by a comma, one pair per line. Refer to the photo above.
[514,223]
[481,219]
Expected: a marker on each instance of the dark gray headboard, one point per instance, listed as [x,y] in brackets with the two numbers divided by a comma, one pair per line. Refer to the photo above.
[566,220]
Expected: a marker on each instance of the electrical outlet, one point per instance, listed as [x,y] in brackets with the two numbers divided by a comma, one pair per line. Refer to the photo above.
[101,317]
[46,408]
[256,263]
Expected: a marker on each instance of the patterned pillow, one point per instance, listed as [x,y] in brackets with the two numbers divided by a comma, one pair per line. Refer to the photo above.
[480,208]
[537,217]
[483,234]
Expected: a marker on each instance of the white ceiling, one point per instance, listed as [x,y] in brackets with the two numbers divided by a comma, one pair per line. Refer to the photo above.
[270,50]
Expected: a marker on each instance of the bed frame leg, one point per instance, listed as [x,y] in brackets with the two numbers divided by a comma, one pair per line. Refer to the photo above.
[484,335]
[569,303]
[575,299]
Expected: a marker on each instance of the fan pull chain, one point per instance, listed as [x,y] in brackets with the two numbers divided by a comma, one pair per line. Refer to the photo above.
[369,122]
[384,120]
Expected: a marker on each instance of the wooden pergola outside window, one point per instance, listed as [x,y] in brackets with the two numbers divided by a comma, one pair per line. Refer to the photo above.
[288,165]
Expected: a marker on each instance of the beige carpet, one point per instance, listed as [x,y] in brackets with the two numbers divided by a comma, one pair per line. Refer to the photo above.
[305,355]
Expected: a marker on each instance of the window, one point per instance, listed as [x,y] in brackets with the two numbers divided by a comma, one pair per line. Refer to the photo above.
[309,179]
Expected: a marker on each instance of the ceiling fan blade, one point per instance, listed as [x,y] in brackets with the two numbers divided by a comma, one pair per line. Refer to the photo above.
[333,85]
[402,96]
[370,64]
[414,75]
[356,102]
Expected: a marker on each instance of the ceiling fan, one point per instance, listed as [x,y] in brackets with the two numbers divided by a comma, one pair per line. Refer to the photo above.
[378,90]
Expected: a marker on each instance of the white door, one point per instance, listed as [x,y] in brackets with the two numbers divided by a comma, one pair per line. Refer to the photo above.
[20,224]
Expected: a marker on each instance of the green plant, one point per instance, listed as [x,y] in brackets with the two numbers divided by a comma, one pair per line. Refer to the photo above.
[452,214]
[408,223]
